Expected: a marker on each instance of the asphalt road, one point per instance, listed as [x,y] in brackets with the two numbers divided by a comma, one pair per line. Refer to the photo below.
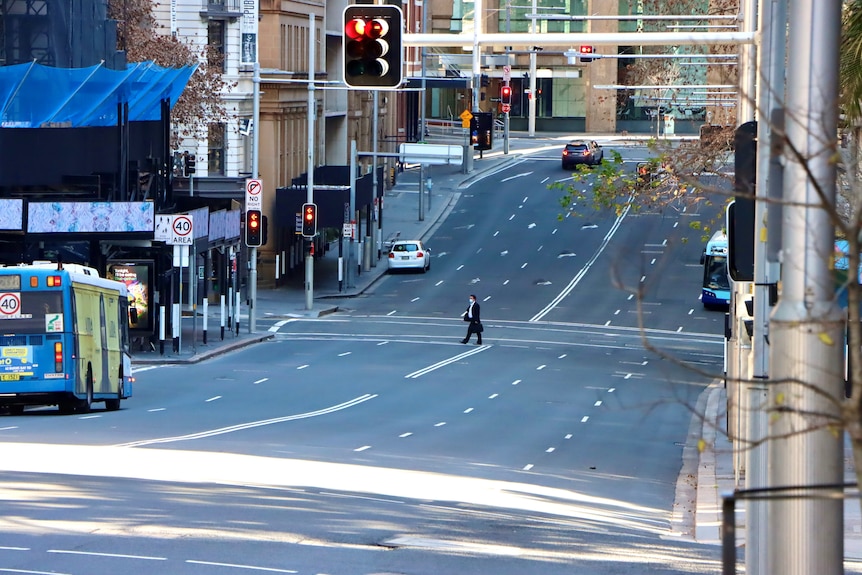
[372,442]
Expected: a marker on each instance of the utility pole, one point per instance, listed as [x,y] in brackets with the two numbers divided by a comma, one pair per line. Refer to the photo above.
[806,530]
[309,193]
[531,120]
[477,53]
[255,173]
[770,98]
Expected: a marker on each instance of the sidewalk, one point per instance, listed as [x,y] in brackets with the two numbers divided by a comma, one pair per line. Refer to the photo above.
[715,478]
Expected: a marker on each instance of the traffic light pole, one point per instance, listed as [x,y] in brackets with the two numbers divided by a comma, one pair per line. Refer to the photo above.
[255,165]
[309,193]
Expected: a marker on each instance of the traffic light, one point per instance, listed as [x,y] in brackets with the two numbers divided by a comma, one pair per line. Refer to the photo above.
[586,53]
[373,54]
[190,164]
[253,228]
[309,220]
[506,95]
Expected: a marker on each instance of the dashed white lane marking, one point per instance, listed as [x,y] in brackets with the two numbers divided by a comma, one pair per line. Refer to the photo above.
[95,554]
[459,267]
[512,217]
[261,380]
[93,416]
[438,283]
[652,263]
[516,382]
[550,450]
[487,298]
[2,548]
[235,566]
[561,356]
[505,282]
[540,367]
[391,312]
[607,323]
[408,434]
[302,366]
[7,429]
[628,376]
[468,410]
[598,403]
[524,201]
[612,389]
[383,343]
[691,311]
[440,424]
[585,418]
[617,312]
[643,279]
[675,224]
[679,330]
[156,409]
[495,233]
[414,299]
[528,467]
[568,436]
[493,396]
[213,398]
[631,296]
[363,448]
[342,354]
[136,370]
[524,265]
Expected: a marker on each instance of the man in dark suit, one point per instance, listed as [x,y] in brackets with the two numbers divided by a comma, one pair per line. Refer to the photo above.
[472,316]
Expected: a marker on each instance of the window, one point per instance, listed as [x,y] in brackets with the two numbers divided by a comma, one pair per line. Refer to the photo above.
[215,44]
[216,150]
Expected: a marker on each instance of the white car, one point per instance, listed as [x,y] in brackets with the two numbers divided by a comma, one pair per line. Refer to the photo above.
[409,254]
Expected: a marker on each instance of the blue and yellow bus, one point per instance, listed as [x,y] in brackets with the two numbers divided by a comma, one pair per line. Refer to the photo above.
[715,291]
[64,338]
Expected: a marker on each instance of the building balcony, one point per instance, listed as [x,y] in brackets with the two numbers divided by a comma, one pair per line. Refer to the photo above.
[218,9]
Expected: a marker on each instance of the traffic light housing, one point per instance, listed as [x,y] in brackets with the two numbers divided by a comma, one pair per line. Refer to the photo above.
[309,220]
[190,164]
[482,131]
[253,228]
[586,54]
[506,95]
[373,52]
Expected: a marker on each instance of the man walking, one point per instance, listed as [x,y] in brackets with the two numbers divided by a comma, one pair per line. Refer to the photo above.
[472,316]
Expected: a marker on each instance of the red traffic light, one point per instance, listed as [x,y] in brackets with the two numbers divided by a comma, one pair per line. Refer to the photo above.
[373,52]
[309,220]
[253,237]
[586,50]
[506,95]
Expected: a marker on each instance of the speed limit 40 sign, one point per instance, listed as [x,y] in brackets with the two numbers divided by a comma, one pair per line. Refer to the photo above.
[10,305]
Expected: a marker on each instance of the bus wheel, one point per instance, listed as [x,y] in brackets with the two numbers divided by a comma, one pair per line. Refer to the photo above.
[114,404]
[85,404]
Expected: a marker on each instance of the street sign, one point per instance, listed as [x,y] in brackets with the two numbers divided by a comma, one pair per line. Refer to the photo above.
[431,154]
[507,73]
[347,230]
[10,305]
[253,195]
[507,108]
[181,231]
[465,116]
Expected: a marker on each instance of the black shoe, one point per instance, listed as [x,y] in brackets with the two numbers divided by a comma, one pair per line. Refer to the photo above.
[478,343]
[463,341]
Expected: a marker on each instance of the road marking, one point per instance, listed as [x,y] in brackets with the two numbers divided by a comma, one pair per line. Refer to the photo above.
[585,418]
[279,324]
[251,424]
[14,548]
[148,368]
[408,434]
[302,366]
[363,448]
[414,299]
[540,248]
[652,263]
[213,398]
[516,176]
[561,356]
[643,279]
[540,367]
[691,311]
[487,298]
[505,282]
[391,312]
[90,417]
[445,362]
[523,266]
[493,396]
[7,429]
[95,554]
[512,217]
[261,380]
[550,450]
[383,343]
[495,233]
[528,467]
[468,410]
[628,376]
[583,271]
[438,283]
[516,382]
[156,409]
[524,201]
[612,389]
[568,436]
[235,566]
[342,354]
[441,424]
[459,267]
[598,403]
[617,312]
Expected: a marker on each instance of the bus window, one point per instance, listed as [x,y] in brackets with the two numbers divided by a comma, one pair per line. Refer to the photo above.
[35,305]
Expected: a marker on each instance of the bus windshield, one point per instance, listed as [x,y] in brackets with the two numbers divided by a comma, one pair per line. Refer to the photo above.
[715,273]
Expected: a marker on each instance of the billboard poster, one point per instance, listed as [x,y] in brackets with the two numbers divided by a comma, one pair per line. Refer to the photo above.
[138,277]
[248,32]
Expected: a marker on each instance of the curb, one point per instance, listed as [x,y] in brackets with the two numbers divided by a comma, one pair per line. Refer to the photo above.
[208,354]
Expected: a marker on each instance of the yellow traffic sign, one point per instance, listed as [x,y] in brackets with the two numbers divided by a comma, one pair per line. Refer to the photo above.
[465,116]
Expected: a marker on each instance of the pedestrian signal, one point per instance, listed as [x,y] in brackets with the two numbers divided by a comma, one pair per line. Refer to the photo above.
[586,54]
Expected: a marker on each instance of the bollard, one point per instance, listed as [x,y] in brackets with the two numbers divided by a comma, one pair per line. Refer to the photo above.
[162,328]
[206,316]
[222,316]
[236,313]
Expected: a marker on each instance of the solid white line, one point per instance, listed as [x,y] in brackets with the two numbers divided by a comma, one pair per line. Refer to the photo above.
[445,362]
[251,424]
[145,368]
[6,570]
[14,548]
[580,275]
[68,552]
[261,380]
[7,429]
[251,567]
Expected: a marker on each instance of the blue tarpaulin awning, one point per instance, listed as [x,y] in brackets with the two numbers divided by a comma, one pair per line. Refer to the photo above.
[37,96]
